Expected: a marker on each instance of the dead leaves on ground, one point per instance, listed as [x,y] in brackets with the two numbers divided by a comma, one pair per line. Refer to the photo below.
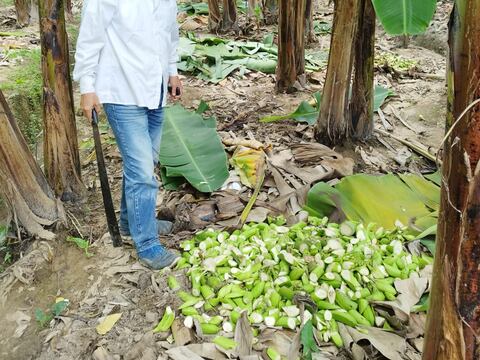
[289,175]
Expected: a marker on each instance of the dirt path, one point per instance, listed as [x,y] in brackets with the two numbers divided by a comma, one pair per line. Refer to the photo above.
[112,281]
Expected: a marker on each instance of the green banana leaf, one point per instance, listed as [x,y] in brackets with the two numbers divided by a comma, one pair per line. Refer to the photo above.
[309,113]
[422,305]
[435,177]
[304,113]
[193,8]
[201,8]
[322,27]
[213,59]
[3,231]
[186,48]
[427,191]
[405,17]
[192,149]
[171,182]
[429,244]
[265,65]
[383,200]
[380,95]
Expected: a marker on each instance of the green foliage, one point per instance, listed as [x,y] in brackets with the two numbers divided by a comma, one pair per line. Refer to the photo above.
[322,27]
[213,59]
[192,149]
[5,3]
[429,243]
[308,112]
[422,305]
[73,29]
[5,249]
[24,85]
[308,341]
[405,17]
[44,317]
[258,13]
[201,8]
[3,234]
[394,61]
[383,200]
[305,112]
[81,244]
[193,8]
[380,95]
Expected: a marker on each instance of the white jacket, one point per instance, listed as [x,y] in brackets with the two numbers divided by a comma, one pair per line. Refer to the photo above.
[126,49]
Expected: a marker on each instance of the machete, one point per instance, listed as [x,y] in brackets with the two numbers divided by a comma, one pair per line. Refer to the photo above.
[107,195]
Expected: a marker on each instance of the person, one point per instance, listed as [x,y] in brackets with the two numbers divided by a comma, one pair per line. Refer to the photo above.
[125,60]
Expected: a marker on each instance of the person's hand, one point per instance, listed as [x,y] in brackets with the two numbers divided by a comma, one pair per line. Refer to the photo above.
[88,102]
[175,83]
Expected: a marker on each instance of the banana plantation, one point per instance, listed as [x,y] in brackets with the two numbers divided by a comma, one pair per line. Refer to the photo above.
[240,179]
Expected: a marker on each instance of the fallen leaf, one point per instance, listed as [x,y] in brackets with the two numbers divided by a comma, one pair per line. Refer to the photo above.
[183,353]
[101,354]
[107,324]
[207,350]
[254,144]
[418,343]
[190,25]
[279,340]
[243,335]
[294,349]
[258,215]
[22,320]
[410,291]
[247,162]
[416,325]
[181,334]
[390,345]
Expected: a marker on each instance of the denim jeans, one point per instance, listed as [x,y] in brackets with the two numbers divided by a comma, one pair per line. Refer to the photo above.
[138,132]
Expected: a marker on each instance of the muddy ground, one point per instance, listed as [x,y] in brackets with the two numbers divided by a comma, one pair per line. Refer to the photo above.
[112,281]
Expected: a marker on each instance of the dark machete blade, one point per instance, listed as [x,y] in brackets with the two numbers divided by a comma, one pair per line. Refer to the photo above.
[107,195]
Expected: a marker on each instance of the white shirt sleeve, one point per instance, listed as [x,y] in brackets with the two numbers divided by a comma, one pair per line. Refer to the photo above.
[172,67]
[96,16]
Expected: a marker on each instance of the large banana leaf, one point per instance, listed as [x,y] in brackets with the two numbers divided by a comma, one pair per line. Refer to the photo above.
[193,8]
[383,200]
[213,59]
[191,148]
[405,17]
[308,112]
[305,112]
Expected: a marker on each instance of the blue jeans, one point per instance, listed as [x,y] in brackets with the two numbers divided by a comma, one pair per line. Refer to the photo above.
[138,132]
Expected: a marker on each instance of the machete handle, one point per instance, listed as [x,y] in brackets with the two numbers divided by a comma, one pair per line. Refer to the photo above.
[94,117]
[178,92]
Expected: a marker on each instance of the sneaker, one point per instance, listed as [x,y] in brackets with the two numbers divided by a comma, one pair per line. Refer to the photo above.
[164,227]
[157,257]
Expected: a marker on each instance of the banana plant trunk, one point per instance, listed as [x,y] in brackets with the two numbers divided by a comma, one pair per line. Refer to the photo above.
[453,323]
[333,123]
[291,45]
[251,6]
[22,8]
[229,16]
[270,11]
[310,30]
[214,16]
[22,183]
[362,102]
[61,156]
